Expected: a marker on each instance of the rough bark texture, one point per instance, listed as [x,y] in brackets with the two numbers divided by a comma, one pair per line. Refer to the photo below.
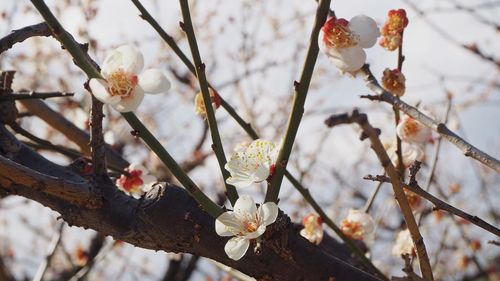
[168,219]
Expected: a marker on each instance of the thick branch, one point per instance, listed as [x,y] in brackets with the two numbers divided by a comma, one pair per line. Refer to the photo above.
[467,148]
[167,218]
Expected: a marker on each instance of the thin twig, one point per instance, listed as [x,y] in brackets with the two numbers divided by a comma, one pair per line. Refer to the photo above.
[378,148]
[467,148]
[217,146]
[441,205]
[19,35]
[46,263]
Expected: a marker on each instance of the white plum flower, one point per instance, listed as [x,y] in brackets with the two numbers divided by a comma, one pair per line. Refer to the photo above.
[312,231]
[410,152]
[124,85]
[136,180]
[343,41]
[404,244]
[411,130]
[245,223]
[254,163]
[358,225]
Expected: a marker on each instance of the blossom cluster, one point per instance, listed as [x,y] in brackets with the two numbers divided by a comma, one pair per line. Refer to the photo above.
[251,163]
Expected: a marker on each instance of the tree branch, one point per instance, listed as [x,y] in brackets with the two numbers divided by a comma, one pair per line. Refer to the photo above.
[467,148]
[440,205]
[378,148]
[168,218]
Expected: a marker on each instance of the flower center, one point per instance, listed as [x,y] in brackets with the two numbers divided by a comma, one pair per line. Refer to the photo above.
[250,225]
[338,35]
[411,127]
[352,229]
[122,83]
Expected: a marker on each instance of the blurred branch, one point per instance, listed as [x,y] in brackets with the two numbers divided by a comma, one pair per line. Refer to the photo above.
[378,148]
[468,149]
[217,146]
[23,95]
[19,35]
[46,263]
[473,48]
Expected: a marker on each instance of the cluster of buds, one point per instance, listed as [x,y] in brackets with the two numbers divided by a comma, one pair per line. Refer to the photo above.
[199,105]
[392,31]
[394,82]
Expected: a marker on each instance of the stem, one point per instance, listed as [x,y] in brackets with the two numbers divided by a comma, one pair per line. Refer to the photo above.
[232,194]
[83,61]
[298,103]
[397,116]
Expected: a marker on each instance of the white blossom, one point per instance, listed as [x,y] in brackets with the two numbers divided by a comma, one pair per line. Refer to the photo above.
[254,163]
[404,244]
[411,130]
[245,223]
[343,41]
[358,225]
[409,151]
[123,86]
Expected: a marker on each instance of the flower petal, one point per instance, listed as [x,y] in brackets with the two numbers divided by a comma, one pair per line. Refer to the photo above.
[239,182]
[350,59]
[132,102]
[132,59]
[367,30]
[261,174]
[268,212]
[227,224]
[153,81]
[236,247]
[245,206]
[99,88]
